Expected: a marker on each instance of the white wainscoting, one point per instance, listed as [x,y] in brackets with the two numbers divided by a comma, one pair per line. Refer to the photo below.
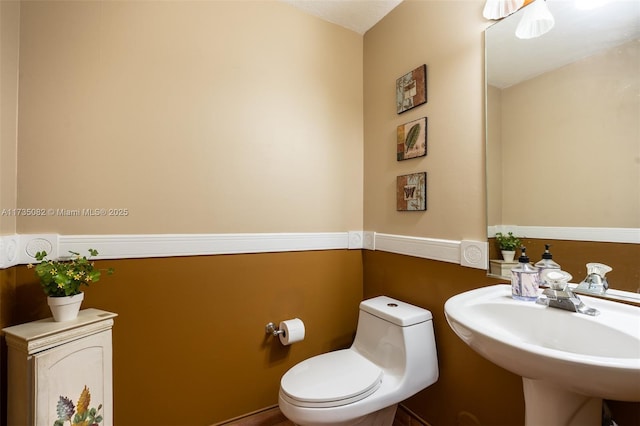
[21,249]
[605,235]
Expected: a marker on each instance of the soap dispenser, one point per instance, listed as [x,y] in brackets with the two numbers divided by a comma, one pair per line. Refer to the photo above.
[545,263]
[524,279]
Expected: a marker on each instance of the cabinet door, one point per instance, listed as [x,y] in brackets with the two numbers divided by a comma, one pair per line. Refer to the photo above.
[73,383]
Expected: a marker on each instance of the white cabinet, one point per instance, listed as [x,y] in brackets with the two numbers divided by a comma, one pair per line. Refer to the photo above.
[61,372]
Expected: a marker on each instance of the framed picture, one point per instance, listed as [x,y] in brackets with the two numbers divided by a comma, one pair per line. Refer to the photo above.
[411,89]
[411,192]
[412,139]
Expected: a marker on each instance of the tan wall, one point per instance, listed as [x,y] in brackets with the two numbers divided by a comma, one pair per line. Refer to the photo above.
[9,51]
[571,144]
[197,117]
[188,368]
[447,37]
[9,56]
[189,342]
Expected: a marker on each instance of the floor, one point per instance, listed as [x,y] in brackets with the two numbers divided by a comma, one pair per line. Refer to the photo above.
[273,417]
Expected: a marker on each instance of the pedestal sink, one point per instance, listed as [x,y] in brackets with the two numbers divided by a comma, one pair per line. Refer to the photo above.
[569,361]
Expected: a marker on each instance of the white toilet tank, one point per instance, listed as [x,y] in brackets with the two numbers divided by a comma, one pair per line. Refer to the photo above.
[398,337]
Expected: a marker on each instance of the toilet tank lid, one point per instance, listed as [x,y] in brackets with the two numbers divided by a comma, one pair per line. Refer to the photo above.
[395,311]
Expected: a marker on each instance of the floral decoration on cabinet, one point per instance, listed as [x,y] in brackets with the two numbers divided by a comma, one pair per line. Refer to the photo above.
[81,414]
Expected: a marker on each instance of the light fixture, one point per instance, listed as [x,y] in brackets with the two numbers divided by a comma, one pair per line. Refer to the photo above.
[498,9]
[537,20]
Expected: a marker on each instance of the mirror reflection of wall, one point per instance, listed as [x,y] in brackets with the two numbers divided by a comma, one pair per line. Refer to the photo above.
[569,144]
[563,140]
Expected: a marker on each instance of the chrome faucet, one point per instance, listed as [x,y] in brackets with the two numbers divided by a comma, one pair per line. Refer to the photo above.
[565,299]
[560,296]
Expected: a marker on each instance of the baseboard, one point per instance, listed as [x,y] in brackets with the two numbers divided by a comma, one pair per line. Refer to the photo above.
[406,417]
[269,416]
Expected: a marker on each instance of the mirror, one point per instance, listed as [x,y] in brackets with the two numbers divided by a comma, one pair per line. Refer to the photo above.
[563,135]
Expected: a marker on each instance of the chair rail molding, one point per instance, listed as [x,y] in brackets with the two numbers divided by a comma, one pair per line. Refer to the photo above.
[16,249]
[605,235]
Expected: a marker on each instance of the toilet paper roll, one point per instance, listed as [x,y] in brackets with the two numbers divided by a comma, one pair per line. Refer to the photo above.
[293,331]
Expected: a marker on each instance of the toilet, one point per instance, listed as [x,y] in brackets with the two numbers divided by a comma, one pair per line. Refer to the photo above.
[392,358]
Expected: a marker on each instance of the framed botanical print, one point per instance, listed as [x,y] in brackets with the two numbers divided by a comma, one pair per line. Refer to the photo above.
[412,139]
[411,89]
[411,192]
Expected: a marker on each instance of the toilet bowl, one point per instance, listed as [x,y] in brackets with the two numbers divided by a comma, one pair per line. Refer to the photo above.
[392,357]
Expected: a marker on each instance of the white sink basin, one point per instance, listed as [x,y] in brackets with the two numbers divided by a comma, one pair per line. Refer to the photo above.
[568,352]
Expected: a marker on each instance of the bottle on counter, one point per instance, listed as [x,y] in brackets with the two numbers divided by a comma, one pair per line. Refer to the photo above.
[545,263]
[524,279]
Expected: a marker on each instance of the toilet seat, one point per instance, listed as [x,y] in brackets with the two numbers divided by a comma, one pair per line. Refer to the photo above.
[331,379]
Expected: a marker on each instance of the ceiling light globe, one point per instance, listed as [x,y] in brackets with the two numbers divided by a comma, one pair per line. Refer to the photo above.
[498,9]
[536,21]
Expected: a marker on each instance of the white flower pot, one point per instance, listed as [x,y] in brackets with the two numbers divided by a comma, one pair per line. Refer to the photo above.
[65,308]
[508,255]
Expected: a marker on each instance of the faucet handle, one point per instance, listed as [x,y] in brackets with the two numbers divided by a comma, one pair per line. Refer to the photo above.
[556,278]
[598,268]
[595,282]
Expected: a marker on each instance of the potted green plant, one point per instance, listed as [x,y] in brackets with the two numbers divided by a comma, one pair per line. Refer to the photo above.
[508,244]
[61,281]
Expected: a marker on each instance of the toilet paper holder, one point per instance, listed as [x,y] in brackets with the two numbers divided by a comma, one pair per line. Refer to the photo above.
[273,330]
[288,332]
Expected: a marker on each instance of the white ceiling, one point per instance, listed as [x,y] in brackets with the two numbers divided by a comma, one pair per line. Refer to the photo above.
[356,15]
[577,34]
